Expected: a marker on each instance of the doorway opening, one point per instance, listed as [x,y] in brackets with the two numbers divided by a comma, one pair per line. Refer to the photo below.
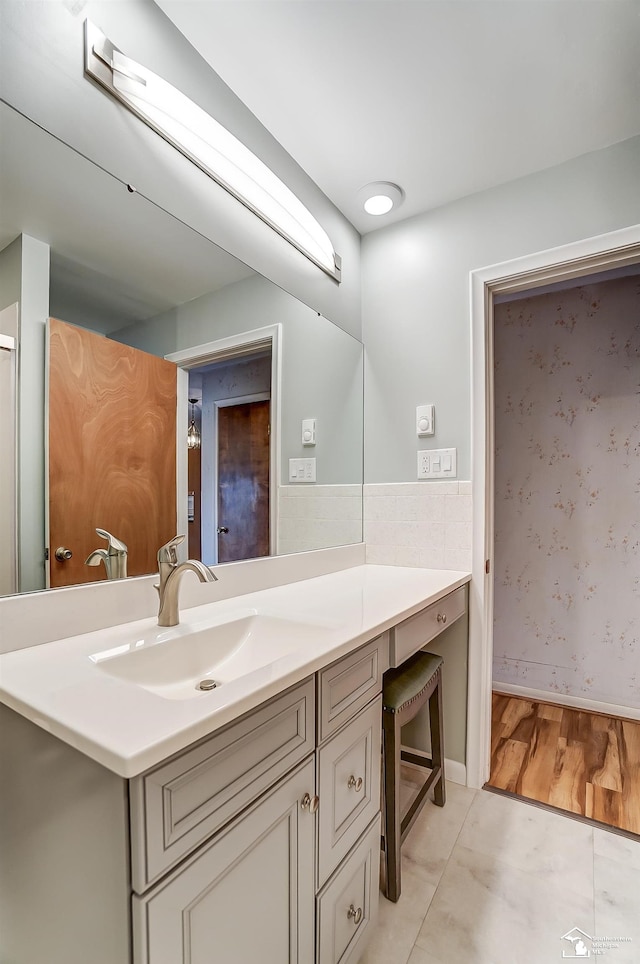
[606,252]
[228,474]
[228,483]
[567,546]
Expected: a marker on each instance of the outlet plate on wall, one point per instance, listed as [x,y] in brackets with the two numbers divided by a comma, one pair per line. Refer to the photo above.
[437,464]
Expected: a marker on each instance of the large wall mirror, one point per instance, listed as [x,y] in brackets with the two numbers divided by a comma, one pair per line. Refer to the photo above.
[268,393]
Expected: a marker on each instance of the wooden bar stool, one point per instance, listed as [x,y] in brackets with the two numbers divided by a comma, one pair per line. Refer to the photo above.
[405,690]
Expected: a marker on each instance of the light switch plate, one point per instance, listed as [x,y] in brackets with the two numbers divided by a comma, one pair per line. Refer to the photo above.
[437,464]
[302,470]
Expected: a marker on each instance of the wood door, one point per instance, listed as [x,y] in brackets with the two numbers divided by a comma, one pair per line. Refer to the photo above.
[243,481]
[245,898]
[112,451]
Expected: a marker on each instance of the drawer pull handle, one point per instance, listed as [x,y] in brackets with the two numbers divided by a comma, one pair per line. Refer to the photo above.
[355,914]
[309,803]
[354,784]
[442,618]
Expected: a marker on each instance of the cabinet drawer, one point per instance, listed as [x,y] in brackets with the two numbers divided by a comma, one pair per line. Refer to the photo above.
[180,803]
[348,786]
[348,684]
[245,897]
[347,908]
[414,633]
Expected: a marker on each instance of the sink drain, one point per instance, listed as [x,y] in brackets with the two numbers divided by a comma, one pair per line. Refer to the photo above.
[207,684]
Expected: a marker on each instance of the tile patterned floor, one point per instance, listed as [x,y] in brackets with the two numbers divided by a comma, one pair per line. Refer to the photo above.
[492,880]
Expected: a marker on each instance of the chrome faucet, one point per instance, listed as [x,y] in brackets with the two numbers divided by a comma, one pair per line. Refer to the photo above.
[171,571]
[114,556]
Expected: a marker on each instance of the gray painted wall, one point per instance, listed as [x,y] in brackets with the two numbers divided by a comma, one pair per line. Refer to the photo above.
[321,366]
[41,74]
[24,278]
[10,273]
[34,311]
[415,286]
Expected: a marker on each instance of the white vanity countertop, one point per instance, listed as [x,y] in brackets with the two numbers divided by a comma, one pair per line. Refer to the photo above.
[128,728]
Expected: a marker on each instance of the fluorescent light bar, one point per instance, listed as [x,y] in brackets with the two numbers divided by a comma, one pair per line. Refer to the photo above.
[210,146]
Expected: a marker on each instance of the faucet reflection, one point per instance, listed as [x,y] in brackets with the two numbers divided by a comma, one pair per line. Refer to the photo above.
[170,575]
[114,556]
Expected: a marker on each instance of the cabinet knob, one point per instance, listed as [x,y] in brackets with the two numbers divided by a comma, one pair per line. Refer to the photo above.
[354,914]
[354,784]
[442,618]
[309,803]
[62,554]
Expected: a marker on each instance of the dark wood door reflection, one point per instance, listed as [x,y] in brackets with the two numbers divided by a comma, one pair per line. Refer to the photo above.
[243,481]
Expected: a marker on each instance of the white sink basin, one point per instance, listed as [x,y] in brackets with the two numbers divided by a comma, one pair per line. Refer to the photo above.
[174,667]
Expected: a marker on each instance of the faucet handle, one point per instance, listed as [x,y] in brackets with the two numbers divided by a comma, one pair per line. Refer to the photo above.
[115,545]
[167,553]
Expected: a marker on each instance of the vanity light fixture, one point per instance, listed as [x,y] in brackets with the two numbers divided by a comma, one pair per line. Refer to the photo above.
[193,435]
[380,197]
[210,146]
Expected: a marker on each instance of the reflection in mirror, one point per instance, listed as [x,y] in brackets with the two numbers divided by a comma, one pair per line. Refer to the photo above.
[76,245]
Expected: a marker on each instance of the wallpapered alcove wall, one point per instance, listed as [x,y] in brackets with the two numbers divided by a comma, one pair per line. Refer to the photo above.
[567,500]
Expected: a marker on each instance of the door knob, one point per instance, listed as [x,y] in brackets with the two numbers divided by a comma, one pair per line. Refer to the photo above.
[62,554]
[222,529]
[354,784]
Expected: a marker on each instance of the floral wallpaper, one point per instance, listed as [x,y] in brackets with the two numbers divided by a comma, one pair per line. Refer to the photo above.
[567,504]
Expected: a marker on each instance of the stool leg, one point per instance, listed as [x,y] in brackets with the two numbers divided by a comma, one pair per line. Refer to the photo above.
[392,842]
[437,738]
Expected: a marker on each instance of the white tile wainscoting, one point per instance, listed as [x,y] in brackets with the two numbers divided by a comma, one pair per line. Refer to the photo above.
[318,516]
[426,524]
[418,524]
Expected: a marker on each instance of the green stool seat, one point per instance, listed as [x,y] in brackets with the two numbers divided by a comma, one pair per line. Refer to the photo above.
[406,682]
[405,690]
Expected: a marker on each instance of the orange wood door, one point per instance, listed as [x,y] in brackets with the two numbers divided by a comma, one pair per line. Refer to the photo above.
[112,451]
[243,481]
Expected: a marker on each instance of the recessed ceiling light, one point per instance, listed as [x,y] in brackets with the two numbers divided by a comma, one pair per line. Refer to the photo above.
[380,197]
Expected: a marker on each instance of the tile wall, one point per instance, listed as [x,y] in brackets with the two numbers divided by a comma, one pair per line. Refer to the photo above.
[418,524]
[318,516]
[405,523]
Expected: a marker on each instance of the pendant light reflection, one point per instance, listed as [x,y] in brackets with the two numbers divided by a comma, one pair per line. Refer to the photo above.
[210,146]
[193,435]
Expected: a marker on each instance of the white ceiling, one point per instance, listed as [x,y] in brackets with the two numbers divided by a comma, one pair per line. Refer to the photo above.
[443,97]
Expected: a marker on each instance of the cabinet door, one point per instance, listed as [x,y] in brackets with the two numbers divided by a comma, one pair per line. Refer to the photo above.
[348,786]
[348,905]
[247,896]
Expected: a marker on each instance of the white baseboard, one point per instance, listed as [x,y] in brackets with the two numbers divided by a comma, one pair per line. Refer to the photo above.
[576,702]
[456,772]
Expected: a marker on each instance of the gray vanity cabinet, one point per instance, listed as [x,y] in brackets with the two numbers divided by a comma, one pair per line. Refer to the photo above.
[233,860]
[247,896]
[260,842]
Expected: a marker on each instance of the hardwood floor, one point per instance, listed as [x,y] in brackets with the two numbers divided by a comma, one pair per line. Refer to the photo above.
[581,762]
